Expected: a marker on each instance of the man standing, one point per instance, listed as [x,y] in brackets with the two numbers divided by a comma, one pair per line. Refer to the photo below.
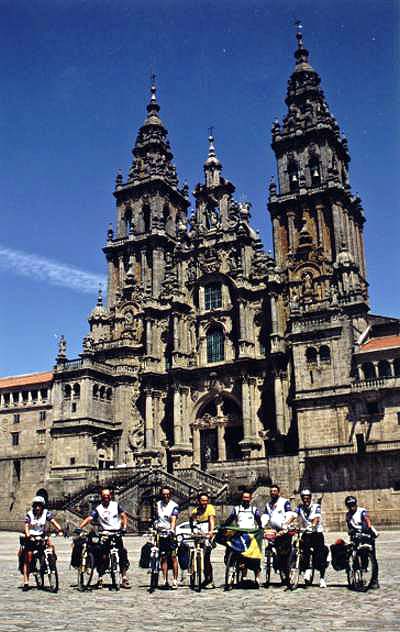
[203,517]
[167,512]
[111,517]
[309,516]
[358,521]
[246,516]
[275,517]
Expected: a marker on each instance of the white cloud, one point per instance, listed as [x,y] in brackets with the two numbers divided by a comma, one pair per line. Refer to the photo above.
[53,272]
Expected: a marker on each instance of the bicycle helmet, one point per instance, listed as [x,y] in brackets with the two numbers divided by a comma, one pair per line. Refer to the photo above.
[350,500]
[38,500]
[305,492]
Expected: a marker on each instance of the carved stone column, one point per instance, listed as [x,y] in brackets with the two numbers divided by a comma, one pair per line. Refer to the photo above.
[250,443]
[221,440]
[196,445]
[149,422]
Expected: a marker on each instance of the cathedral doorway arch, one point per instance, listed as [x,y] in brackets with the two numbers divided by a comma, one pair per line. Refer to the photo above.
[217,430]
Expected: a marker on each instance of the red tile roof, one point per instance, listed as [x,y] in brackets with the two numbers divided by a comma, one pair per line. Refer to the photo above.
[25,380]
[384,342]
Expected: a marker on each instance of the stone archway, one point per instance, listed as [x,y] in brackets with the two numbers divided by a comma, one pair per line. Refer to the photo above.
[217,430]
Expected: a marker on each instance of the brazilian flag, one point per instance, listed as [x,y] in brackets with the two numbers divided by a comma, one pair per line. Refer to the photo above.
[248,543]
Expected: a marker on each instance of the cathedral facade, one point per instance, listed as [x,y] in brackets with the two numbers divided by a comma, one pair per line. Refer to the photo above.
[209,355]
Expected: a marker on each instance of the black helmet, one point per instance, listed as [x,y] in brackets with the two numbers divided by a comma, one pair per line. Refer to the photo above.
[350,500]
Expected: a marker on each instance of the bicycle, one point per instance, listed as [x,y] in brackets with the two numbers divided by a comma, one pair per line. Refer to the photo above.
[271,559]
[87,562]
[296,559]
[234,567]
[155,556]
[361,565]
[43,564]
[109,541]
[196,559]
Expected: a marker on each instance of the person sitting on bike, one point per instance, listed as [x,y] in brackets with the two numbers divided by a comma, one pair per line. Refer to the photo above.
[309,518]
[111,517]
[35,525]
[275,518]
[167,511]
[246,516]
[358,521]
[203,517]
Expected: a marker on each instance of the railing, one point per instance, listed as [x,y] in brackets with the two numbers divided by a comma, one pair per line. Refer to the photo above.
[375,446]
[345,448]
[376,383]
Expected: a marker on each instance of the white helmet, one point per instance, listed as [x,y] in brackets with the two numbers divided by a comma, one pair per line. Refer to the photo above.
[305,492]
[38,500]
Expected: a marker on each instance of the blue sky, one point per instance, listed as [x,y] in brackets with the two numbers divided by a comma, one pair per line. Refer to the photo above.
[75,81]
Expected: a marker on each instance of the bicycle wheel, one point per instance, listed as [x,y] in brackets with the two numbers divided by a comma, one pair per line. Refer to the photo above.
[230,570]
[38,572]
[154,574]
[114,571]
[366,570]
[294,569]
[85,571]
[199,569]
[268,565]
[52,576]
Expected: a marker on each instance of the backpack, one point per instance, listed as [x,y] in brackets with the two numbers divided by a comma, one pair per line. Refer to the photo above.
[144,560]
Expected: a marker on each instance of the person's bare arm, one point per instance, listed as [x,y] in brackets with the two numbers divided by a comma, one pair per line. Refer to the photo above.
[55,524]
[124,520]
[27,530]
[211,526]
[173,523]
[85,522]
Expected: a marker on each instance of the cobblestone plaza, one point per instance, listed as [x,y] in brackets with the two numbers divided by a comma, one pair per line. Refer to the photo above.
[244,610]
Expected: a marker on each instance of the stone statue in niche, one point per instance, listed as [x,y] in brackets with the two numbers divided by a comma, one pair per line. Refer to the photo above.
[307,285]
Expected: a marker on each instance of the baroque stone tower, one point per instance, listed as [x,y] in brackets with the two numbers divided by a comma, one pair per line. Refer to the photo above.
[321,295]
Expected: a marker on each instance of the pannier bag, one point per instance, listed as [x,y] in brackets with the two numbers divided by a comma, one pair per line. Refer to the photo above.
[183,556]
[144,560]
[339,555]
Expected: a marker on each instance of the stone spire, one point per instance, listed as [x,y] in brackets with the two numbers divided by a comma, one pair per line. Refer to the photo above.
[212,166]
[152,152]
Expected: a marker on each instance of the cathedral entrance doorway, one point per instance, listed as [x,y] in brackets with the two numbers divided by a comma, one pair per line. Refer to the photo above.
[217,431]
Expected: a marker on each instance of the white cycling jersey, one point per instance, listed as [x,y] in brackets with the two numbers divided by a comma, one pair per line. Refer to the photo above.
[37,524]
[246,516]
[307,514]
[109,518]
[356,521]
[165,511]
[275,512]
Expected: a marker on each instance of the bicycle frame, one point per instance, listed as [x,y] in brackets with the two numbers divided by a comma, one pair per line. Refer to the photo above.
[196,559]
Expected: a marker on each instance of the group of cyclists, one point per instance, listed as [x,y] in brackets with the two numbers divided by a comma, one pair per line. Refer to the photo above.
[278,520]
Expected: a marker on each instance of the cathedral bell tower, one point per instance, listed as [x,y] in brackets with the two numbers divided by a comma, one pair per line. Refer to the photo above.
[320,294]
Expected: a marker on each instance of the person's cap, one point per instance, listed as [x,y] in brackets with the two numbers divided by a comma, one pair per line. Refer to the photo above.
[350,500]
[38,500]
[305,492]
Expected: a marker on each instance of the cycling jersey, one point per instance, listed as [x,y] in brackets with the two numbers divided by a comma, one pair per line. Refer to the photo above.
[356,521]
[108,517]
[37,524]
[245,517]
[275,510]
[202,519]
[307,514]
[165,511]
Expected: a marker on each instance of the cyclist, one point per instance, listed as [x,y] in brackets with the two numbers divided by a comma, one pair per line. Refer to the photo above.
[276,516]
[358,521]
[203,517]
[35,525]
[246,516]
[111,517]
[167,512]
[309,517]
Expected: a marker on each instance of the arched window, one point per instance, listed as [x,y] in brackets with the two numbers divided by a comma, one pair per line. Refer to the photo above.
[384,369]
[325,354]
[293,172]
[95,390]
[67,391]
[213,296]
[77,391]
[102,391]
[396,366]
[109,393]
[368,370]
[128,222]
[315,172]
[215,346]
[311,355]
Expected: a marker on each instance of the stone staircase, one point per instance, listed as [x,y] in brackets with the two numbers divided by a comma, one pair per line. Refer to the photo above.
[138,490]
